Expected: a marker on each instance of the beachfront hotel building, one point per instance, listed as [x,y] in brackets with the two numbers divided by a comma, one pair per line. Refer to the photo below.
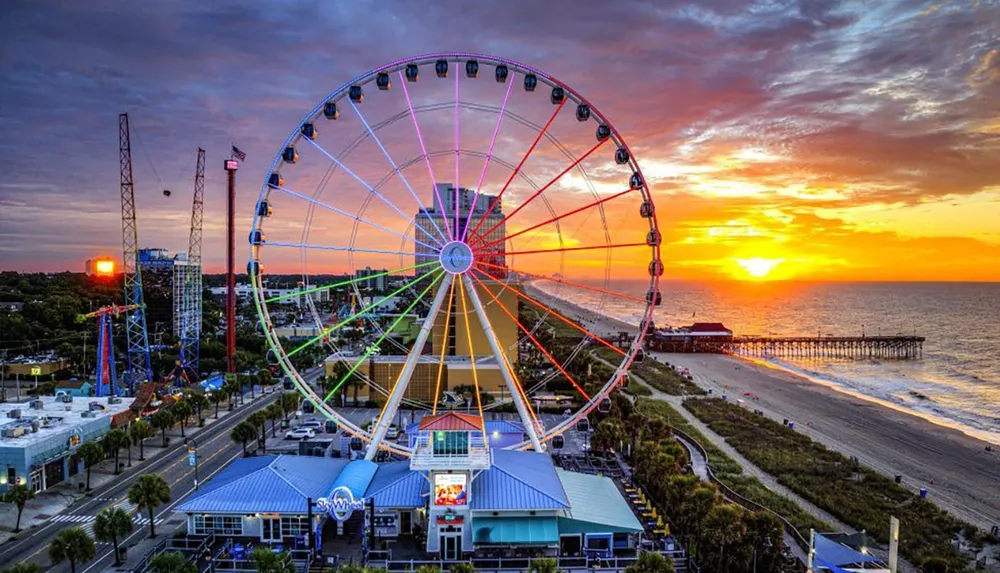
[456,498]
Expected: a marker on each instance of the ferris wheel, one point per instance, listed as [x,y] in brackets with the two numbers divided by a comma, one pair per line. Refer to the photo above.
[455,224]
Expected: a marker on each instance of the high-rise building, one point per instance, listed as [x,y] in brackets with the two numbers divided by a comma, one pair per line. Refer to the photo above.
[375,282]
[430,220]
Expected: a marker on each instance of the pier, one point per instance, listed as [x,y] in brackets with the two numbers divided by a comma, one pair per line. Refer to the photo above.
[716,338]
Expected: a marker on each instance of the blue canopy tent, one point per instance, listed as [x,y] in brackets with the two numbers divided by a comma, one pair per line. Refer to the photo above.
[835,556]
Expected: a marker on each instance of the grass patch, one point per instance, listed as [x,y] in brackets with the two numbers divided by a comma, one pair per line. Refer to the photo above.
[656,374]
[856,495]
[637,388]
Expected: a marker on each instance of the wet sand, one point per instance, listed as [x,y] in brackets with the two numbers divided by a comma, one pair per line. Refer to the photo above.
[966,478]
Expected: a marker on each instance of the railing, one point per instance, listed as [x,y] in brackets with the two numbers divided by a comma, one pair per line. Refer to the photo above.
[486,565]
[425,457]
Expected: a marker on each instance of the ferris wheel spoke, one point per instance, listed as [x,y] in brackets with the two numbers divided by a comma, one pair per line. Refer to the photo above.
[515,392]
[358,218]
[565,282]
[423,149]
[343,249]
[398,171]
[472,357]
[372,190]
[556,313]
[348,282]
[482,245]
[537,344]
[553,181]
[517,169]
[444,348]
[486,163]
[371,349]
[403,380]
[327,332]
[455,205]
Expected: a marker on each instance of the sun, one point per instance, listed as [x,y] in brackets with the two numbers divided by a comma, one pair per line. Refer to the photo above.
[758,267]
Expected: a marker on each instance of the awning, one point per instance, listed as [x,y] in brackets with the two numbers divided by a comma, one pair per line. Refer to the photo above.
[515,530]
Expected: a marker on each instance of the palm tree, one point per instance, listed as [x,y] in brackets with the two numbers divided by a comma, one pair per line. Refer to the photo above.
[243,433]
[258,419]
[111,525]
[19,495]
[273,412]
[651,563]
[91,454]
[198,402]
[141,430]
[24,567]
[114,441]
[149,491]
[162,420]
[463,568]
[544,565]
[73,545]
[171,562]
[289,403]
[267,561]
[217,397]
[724,527]
[182,411]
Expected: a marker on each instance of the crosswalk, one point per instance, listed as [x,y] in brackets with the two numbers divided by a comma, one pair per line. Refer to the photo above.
[86,522]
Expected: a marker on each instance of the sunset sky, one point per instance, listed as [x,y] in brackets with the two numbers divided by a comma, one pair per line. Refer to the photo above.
[809,139]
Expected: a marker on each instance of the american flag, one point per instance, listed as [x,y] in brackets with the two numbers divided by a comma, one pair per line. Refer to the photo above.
[237,154]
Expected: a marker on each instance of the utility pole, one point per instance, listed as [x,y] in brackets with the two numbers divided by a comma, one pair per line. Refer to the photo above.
[231,165]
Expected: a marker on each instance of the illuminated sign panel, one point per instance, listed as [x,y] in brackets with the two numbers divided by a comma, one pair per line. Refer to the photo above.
[449,489]
[232,165]
[341,504]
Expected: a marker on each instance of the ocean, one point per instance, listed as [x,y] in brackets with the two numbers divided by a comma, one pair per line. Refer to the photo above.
[956,383]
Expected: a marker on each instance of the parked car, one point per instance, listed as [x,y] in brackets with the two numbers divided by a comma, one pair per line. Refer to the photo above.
[393,432]
[314,425]
[300,434]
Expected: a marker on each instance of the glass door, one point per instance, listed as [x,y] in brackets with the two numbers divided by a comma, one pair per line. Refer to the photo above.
[270,529]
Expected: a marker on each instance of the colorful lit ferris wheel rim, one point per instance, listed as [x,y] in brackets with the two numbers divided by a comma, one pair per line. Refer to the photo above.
[446,199]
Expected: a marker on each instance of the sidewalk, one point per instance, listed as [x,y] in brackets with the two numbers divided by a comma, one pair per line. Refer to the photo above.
[62,496]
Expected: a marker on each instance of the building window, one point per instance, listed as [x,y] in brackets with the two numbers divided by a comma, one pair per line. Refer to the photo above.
[295,525]
[451,443]
[218,524]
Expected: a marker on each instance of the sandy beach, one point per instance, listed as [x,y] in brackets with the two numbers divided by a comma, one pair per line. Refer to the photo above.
[966,478]
[594,322]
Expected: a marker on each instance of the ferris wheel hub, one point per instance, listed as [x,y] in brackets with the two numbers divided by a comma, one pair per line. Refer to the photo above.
[457,257]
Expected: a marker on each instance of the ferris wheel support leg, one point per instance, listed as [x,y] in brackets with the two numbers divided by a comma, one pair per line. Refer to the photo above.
[522,408]
[396,395]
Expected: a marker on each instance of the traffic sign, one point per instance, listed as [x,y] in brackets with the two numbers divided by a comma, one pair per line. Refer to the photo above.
[36,370]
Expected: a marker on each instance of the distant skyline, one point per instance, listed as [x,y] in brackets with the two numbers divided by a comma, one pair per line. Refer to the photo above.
[809,139]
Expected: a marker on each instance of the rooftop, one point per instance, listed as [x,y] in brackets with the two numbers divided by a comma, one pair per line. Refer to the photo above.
[49,417]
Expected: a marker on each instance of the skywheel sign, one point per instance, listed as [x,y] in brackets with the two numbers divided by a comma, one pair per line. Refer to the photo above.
[341,504]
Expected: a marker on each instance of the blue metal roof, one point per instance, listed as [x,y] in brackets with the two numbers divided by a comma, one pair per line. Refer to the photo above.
[504,427]
[355,477]
[395,486]
[267,484]
[518,481]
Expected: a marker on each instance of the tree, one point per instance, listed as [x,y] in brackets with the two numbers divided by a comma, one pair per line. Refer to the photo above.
[114,441]
[544,565]
[148,492]
[243,433]
[111,525]
[289,403]
[73,545]
[267,561]
[764,539]
[19,495]
[171,562]
[651,563]
[182,411]
[162,420]
[24,567]
[140,430]
[936,565]
[199,402]
[258,420]
[273,412]
[91,454]
[608,435]
[217,397]
[723,528]
[462,568]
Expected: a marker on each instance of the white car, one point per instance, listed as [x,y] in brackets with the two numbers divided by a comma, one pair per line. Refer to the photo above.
[300,434]
[314,425]
[392,433]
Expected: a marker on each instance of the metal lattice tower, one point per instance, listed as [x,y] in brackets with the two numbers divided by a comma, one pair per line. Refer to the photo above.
[191,304]
[138,368]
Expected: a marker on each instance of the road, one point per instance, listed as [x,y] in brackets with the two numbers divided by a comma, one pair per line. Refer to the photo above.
[216,450]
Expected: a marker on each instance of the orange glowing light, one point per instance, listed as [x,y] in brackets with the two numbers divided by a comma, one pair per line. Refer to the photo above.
[758,267]
[104,267]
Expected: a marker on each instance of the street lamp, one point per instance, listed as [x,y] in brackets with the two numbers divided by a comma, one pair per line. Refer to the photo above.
[192,445]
